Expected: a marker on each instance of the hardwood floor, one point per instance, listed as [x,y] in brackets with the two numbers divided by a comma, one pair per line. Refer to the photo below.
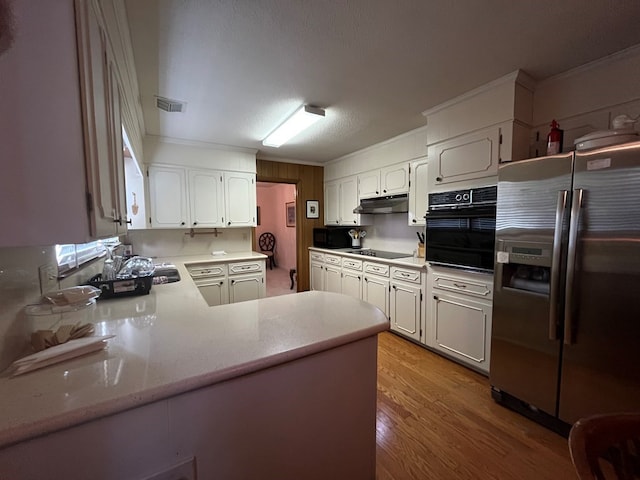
[437,420]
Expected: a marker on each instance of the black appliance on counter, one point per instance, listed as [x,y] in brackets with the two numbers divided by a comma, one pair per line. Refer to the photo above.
[331,237]
[460,228]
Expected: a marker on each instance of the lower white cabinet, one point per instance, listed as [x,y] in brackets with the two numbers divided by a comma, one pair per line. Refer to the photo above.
[375,285]
[220,283]
[460,317]
[317,276]
[332,279]
[246,287]
[406,302]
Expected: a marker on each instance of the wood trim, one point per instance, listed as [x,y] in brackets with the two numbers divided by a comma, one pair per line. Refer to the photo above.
[309,182]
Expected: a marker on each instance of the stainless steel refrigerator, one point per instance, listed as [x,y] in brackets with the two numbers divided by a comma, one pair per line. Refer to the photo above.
[566,309]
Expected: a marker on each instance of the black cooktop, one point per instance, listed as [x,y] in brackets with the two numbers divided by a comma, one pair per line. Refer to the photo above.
[380,254]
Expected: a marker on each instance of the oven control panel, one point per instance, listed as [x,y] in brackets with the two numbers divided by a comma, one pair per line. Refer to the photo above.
[463,198]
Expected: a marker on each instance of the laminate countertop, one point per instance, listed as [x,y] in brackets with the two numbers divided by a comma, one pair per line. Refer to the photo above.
[169,342]
[408,261]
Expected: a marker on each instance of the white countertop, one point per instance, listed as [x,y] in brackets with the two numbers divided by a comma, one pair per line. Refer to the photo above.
[408,261]
[170,342]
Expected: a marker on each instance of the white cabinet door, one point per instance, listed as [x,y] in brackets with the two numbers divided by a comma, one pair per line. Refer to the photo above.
[168,197]
[214,291]
[461,328]
[456,163]
[369,184]
[352,284]
[240,199]
[246,287]
[348,201]
[332,279]
[418,192]
[375,290]
[405,309]
[394,179]
[332,203]
[317,276]
[206,198]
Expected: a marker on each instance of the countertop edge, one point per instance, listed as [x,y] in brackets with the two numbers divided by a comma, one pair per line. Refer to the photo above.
[407,261]
[97,411]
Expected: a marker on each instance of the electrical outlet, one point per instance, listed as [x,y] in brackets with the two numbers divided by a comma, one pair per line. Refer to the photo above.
[48,278]
[182,471]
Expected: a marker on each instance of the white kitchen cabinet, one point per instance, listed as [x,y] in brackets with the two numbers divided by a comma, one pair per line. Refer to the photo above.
[340,198]
[352,277]
[418,192]
[394,180]
[348,201]
[332,203]
[316,270]
[240,199]
[229,282]
[460,316]
[332,278]
[390,180]
[406,302]
[168,197]
[182,197]
[466,161]
[375,285]
[246,287]
[206,198]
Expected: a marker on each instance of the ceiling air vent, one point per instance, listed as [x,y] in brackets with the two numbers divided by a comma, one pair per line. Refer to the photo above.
[169,105]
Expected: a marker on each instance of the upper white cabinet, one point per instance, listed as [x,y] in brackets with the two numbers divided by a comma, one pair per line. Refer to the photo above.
[418,192]
[456,162]
[240,199]
[61,134]
[206,198]
[168,197]
[341,198]
[391,180]
[198,198]
[470,135]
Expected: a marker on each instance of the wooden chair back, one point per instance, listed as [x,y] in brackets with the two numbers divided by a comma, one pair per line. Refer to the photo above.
[606,447]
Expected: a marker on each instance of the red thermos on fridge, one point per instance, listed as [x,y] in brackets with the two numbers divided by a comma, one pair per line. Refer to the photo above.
[554,139]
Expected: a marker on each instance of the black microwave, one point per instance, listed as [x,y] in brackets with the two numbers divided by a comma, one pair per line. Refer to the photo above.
[331,237]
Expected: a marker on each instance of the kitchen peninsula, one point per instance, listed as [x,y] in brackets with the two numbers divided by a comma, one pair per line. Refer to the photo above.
[281,387]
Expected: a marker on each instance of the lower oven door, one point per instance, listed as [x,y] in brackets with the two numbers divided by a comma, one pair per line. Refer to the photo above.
[461,239]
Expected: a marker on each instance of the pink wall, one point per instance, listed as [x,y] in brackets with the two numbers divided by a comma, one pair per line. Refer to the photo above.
[272,198]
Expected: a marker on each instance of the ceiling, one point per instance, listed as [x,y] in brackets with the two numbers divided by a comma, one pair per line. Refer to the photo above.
[243,66]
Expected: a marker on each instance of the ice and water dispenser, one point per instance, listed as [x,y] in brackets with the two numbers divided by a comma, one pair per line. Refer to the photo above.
[525,266]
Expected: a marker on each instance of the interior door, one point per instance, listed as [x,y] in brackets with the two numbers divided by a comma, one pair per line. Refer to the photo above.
[601,360]
[524,354]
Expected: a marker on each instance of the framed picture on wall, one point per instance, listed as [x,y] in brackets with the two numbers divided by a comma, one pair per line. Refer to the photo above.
[313,209]
[291,214]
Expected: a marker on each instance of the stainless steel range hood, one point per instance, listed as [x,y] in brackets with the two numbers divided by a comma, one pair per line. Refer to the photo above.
[389,204]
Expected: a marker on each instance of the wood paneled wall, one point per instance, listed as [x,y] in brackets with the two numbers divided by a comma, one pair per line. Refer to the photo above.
[309,182]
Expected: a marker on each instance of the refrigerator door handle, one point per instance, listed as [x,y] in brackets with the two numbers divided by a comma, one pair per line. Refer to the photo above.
[555,265]
[576,206]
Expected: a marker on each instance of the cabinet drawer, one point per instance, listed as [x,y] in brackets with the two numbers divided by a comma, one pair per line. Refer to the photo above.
[213,270]
[245,267]
[352,264]
[316,256]
[412,276]
[376,269]
[468,287]
[332,260]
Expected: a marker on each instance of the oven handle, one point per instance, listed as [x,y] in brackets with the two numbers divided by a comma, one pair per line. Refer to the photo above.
[471,212]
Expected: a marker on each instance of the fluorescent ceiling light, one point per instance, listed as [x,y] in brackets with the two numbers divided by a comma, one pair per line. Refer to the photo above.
[303,118]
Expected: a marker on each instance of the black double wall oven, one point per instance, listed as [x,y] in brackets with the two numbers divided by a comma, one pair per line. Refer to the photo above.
[460,228]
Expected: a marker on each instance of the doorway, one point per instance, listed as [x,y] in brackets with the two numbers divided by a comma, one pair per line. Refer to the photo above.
[277,216]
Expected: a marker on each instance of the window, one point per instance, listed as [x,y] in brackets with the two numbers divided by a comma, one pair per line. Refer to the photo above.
[74,255]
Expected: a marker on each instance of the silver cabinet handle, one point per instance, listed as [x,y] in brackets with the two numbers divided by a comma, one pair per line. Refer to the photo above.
[459,285]
[576,206]
[555,265]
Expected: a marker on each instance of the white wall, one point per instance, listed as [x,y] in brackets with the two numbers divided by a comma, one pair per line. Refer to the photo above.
[390,232]
[135,194]
[169,243]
